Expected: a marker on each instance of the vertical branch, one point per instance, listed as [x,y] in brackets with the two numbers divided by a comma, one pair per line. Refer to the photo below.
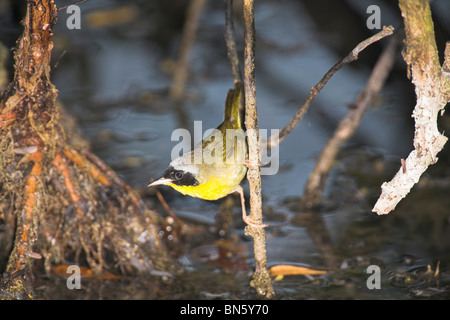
[230,42]
[189,32]
[261,278]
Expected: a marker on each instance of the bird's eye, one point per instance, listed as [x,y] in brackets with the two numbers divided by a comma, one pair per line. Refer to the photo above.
[178,175]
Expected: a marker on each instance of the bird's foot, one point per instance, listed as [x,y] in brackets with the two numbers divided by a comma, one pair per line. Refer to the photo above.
[249,221]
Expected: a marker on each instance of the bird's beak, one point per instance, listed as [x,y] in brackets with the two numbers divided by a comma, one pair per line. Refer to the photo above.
[159,182]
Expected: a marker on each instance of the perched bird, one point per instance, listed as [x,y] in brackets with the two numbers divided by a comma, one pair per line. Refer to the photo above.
[216,166]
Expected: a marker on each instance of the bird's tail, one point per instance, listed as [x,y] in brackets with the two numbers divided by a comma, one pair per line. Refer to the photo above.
[232,103]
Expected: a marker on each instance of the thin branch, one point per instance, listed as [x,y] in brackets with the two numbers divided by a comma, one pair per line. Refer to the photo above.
[261,278]
[72,4]
[231,50]
[349,124]
[231,43]
[169,210]
[189,32]
[432,86]
[273,141]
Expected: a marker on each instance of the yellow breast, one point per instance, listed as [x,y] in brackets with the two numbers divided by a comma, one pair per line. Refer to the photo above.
[215,185]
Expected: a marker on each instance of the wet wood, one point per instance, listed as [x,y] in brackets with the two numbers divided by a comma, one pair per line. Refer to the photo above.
[65,204]
[432,86]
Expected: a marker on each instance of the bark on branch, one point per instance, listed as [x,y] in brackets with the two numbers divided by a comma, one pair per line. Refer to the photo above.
[261,278]
[432,86]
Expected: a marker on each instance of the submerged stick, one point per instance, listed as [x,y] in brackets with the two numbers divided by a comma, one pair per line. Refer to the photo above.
[261,278]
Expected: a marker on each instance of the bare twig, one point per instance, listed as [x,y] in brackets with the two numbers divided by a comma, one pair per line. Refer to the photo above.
[432,85]
[230,42]
[169,210]
[231,50]
[261,278]
[72,4]
[189,32]
[273,141]
[349,124]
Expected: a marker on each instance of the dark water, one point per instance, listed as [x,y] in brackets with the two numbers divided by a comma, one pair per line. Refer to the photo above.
[113,75]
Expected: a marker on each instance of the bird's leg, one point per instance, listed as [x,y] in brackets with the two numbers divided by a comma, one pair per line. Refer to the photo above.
[245,217]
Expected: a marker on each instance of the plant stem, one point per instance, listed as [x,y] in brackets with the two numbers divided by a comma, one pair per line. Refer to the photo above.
[189,33]
[261,278]
[231,42]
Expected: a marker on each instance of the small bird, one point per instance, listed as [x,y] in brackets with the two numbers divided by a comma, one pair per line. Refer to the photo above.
[215,167]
